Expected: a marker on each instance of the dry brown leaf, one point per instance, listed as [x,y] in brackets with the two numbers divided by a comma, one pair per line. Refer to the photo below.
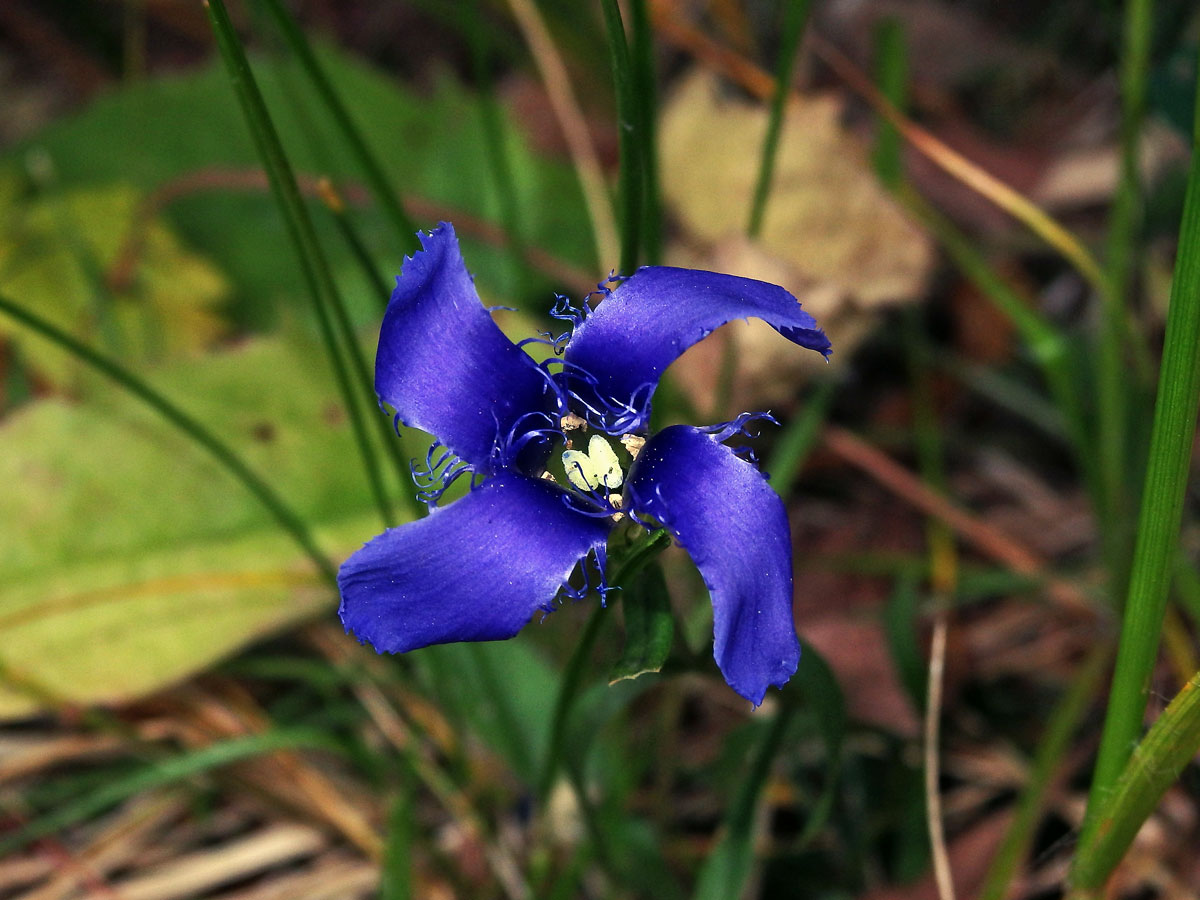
[831,233]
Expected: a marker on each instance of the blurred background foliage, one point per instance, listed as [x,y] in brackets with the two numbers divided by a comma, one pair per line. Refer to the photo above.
[182,716]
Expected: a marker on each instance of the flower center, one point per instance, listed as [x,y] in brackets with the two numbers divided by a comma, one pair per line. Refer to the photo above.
[594,468]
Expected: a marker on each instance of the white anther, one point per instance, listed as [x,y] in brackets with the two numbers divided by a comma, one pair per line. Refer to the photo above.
[572,422]
[598,467]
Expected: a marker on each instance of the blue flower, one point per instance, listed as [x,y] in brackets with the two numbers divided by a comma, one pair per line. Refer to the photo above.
[479,568]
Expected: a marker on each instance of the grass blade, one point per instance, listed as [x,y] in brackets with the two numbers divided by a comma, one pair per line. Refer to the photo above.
[165,772]
[628,135]
[312,258]
[793,30]
[646,95]
[1158,760]
[1161,511]
[288,520]
[387,198]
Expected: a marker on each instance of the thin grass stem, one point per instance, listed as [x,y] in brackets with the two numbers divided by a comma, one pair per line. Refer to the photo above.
[645,93]
[304,239]
[492,118]
[1161,513]
[796,17]
[222,452]
[385,195]
[630,177]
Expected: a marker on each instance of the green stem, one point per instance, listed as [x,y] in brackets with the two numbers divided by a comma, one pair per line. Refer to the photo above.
[220,451]
[1161,511]
[387,198]
[304,239]
[646,96]
[628,136]
[492,118]
[1113,383]
[640,555]
[1155,765]
[793,31]
[1053,748]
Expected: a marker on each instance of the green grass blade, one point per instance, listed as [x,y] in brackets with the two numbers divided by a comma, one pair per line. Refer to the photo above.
[1161,512]
[1064,719]
[646,94]
[641,554]
[797,440]
[287,519]
[312,258]
[373,174]
[336,204]
[724,874]
[492,118]
[395,874]
[1112,380]
[161,773]
[628,134]
[795,19]
[1157,762]
[892,78]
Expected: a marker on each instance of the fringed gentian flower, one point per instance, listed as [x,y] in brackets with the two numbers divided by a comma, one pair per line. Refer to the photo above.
[479,568]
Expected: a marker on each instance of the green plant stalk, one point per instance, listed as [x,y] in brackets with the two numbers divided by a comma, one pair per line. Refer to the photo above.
[1113,384]
[387,198]
[275,505]
[724,874]
[1161,511]
[646,94]
[1046,343]
[628,135]
[793,30]
[1154,766]
[797,439]
[358,247]
[640,555]
[495,145]
[1064,720]
[304,238]
[891,64]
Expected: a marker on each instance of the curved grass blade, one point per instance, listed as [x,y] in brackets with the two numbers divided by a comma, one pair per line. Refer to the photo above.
[1156,763]
[288,520]
[1161,513]
[628,136]
[387,198]
[312,258]
[793,31]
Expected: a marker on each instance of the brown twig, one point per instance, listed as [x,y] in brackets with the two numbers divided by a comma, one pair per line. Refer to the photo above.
[988,540]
